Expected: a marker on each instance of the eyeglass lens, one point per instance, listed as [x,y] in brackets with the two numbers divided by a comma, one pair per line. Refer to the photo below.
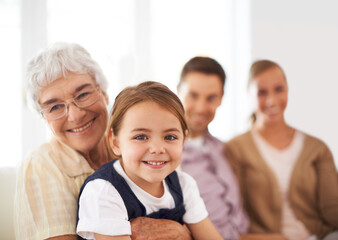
[84,99]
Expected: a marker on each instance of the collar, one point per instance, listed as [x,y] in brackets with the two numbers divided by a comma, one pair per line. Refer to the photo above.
[68,160]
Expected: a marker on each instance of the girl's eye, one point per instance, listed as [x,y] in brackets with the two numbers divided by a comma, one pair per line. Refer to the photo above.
[141,137]
[170,137]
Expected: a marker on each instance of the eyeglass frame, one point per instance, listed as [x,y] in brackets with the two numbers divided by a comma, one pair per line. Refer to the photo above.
[67,103]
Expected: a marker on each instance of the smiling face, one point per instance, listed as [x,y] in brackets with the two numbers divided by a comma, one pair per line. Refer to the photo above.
[270,93]
[150,141]
[201,95]
[81,128]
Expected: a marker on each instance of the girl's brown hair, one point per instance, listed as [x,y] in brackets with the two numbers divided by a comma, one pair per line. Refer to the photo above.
[257,68]
[146,91]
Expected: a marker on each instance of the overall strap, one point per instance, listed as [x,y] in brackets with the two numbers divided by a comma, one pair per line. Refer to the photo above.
[175,214]
[133,205]
[107,172]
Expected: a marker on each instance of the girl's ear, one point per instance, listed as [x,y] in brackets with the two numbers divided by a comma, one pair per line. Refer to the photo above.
[113,143]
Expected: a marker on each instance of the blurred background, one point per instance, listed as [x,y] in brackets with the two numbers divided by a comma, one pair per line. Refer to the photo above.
[137,40]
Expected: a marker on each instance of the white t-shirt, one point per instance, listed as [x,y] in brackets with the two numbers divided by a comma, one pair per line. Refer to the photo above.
[102,209]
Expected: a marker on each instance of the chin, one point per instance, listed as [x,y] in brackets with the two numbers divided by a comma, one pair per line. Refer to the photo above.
[197,130]
[156,179]
[84,147]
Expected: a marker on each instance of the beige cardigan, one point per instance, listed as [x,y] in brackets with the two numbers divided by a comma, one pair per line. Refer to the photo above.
[313,190]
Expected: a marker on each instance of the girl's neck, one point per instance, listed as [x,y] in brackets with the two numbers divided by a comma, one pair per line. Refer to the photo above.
[98,155]
[156,189]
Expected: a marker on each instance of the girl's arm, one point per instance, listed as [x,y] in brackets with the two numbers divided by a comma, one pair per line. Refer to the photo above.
[204,230]
[105,237]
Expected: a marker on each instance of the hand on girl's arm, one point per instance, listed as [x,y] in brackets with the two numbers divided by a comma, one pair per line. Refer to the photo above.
[204,230]
[143,228]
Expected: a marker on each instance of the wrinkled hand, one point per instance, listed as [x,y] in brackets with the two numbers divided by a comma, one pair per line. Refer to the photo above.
[143,228]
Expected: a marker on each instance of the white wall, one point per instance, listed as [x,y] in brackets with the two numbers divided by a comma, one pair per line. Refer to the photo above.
[302,36]
[139,40]
[33,38]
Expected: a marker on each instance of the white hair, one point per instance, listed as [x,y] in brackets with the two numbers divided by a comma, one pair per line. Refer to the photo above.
[55,62]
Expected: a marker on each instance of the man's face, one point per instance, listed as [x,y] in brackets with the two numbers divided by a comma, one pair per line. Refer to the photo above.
[201,95]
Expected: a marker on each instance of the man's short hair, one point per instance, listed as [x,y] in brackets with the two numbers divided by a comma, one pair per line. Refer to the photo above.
[205,65]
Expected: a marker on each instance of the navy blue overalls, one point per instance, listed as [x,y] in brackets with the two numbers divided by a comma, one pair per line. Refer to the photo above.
[134,207]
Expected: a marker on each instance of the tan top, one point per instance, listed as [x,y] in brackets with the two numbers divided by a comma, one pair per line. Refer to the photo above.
[313,188]
[282,162]
[48,184]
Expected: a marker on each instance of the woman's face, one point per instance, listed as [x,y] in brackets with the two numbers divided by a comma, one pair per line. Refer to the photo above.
[81,128]
[270,93]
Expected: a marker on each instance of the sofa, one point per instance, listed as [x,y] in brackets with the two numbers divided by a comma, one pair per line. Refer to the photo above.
[7,189]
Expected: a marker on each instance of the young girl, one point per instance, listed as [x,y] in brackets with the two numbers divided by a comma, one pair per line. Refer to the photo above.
[146,131]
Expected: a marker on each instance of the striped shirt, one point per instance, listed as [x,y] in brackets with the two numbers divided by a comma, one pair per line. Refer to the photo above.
[48,184]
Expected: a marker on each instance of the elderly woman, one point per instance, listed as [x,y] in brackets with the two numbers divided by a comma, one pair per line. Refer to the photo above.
[68,88]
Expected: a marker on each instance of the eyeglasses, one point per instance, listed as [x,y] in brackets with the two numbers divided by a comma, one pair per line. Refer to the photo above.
[85,98]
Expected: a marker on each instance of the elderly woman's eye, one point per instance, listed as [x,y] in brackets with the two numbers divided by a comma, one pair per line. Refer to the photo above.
[82,96]
[57,107]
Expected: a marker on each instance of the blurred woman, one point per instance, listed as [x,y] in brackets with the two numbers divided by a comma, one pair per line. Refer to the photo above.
[288,178]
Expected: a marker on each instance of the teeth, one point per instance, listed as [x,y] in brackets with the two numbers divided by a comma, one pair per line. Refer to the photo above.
[83,128]
[155,163]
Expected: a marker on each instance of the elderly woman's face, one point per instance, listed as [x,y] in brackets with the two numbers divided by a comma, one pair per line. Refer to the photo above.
[81,128]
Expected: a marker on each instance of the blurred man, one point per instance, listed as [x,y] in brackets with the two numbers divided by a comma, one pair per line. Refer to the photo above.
[201,90]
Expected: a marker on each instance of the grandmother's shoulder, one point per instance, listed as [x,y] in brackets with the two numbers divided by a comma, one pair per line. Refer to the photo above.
[43,154]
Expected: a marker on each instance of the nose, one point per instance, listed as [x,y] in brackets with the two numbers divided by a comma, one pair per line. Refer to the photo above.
[201,106]
[156,148]
[271,100]
[75,114]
